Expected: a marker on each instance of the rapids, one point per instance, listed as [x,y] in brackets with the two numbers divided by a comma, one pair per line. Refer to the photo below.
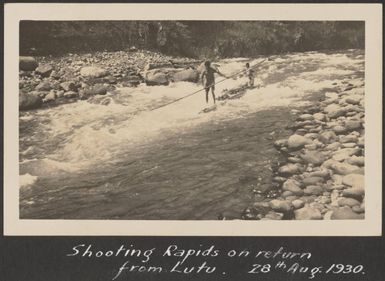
[112,157]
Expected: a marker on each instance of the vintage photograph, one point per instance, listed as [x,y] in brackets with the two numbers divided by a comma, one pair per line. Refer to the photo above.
[192,120]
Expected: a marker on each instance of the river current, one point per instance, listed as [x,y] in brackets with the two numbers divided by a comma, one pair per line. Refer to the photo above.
[113,157]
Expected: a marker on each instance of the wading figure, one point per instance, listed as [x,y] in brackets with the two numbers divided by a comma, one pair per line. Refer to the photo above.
[208,80]
[250,74]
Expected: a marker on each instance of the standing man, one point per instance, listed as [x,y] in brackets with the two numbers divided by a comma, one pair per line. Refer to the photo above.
[208,80]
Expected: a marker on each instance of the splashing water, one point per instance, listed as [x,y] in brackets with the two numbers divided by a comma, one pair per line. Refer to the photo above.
[93,144]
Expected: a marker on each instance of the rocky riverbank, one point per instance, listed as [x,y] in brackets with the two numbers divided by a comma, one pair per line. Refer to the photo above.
[49,81]
[322,176]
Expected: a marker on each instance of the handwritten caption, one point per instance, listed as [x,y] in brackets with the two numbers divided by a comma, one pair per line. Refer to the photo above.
[210,260]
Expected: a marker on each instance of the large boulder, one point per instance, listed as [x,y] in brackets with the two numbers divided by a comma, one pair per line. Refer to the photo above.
[29,101]
[187,75]
[93,71]
[156,77]
[27,63]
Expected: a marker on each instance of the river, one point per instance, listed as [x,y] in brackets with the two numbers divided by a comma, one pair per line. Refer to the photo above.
[115,158]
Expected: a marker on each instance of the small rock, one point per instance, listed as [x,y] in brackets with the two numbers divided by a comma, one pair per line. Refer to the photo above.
[354,192]
[307,213]
[292,186]
[345,153]
[44,86]
[354,180]
[44,70]
[327,137]
[339,129]
[50,97]
[68,86]
[281,205]
[70,94]
[346,213]
[273,216]
[352,125]
[93,71]
[356,160]
[297,141]
[319,116]
[313,190]
[342,168]
[313,157]
[289,169]
[348,202]
[297,204]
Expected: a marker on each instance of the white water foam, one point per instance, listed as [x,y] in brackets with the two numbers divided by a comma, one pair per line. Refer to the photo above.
[95,133]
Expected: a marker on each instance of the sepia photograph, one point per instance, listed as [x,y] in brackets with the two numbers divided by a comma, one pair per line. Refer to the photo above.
[193,120]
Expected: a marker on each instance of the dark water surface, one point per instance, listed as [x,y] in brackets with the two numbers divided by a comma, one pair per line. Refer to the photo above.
[199,174]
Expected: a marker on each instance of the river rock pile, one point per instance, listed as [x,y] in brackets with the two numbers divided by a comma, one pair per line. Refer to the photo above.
[323,175]
[49,80]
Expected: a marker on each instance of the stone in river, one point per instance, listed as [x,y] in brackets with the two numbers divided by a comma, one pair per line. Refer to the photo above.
[356,160]
[354,180]
[353,125]
[156,77]
[358,209]
[93,71]
[314,157]
[353,99]
[333,146]
[313,190]
[327,137]
[341,168]
[187,75]
[44,70]
[98,89]
[354,192]
[51,96]
[334,110]
[281,205]
[348,138]
[280,143]
[298,203]
[27,63]
[71,94]
[339,129]
[273,216]
[289,169]
[294,160]
[44,86]
[292,186]
[307,213]
[346,213]
[29,101]
[68,86]
[305,117]
[345,153]
[312,180]
[319,116]
[323,173]
[297,141]
[344,201]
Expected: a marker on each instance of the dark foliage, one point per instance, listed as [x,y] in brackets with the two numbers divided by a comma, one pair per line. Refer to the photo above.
[190,38]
